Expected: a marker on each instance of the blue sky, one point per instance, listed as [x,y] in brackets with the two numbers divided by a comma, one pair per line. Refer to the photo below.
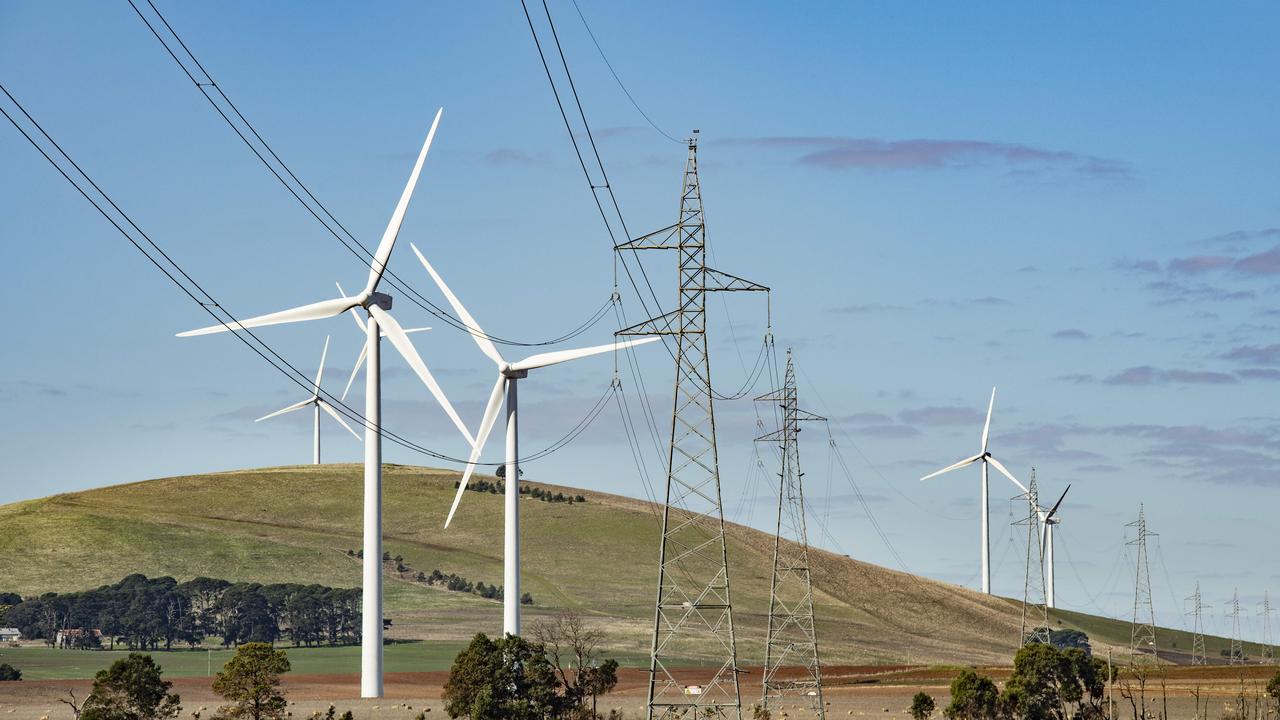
[1078,205]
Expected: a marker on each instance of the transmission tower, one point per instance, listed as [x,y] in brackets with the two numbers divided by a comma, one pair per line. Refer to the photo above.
[1197,636]
[791,638]
[1237,647]
[1142,634]
[1268,648]
[1035,607]
[693,613]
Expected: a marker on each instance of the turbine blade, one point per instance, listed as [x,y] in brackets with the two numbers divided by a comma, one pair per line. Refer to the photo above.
[482,435]
[1005,471]
[355,369]
[324,405]
[291,408]
[314,311]
[1054,511]
[355,314]
[956,466]
[552,358]
[402,342]
[486,345]
[986,428]
[320,373]
[410,331]
[379,264]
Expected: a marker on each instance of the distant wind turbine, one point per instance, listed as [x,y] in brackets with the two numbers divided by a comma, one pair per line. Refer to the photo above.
[317,404]
[986,459]
[508,375]
[376,305]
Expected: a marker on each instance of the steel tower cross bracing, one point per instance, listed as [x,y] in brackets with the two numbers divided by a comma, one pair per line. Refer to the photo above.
[1198,656]
[693,612]
[1142,633]
[791,640]
[1237,646]
[1035,605]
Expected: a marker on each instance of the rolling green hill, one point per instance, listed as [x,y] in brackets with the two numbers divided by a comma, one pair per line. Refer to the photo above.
[295,524]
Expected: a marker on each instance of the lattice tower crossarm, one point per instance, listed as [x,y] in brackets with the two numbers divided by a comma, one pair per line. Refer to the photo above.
[791,640]
[693,612]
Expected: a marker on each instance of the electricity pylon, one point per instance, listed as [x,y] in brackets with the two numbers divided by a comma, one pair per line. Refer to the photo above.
[791,638]
[1197,632]
[1268,648]
[693,613]
[1237,646]
[1034,605]
[1142,634]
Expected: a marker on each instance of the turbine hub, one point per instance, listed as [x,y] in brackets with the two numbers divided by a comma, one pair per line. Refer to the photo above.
[382,300]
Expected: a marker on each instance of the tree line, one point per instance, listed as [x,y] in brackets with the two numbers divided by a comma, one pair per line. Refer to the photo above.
[153,613]
[499,487]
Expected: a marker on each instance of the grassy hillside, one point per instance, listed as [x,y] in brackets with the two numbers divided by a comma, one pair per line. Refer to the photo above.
[294,524]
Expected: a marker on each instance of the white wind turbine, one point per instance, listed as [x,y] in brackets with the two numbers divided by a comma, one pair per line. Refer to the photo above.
[379,320]
[1047,521]
[986,459]
[317,404]
[508,376]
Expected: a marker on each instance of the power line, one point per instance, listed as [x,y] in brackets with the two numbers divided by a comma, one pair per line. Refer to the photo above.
[183,280]
[214,93]
[613,72]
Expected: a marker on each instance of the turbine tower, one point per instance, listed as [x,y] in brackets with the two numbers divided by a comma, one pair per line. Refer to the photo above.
[1048,518]
[317,404]
[986,459]
[379,320]
[693,608]
[791,638]
[1142,633]
[1237,647]
[509,375]
[1034,605]
[1197,633]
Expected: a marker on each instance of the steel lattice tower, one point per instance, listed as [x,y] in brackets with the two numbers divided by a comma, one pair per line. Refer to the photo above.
[1142,634]
[792,638]
[1268,649]
[1034,605]
[1197,637]
[1237,647]
[693,612]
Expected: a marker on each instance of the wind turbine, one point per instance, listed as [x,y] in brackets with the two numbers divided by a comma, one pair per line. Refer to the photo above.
[317,404]
[1047,521]
[508,376]
[986,459]
[1048,518]
[376,305]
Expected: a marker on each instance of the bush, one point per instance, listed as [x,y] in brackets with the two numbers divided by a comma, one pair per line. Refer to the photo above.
[922,706]
[505,679]
[9,672]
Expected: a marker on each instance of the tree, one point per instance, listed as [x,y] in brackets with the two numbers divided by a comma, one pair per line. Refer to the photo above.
[251,683]
[9,672]
[921,706]
[572,646]
[973,697]
[506,679]
[131,689]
